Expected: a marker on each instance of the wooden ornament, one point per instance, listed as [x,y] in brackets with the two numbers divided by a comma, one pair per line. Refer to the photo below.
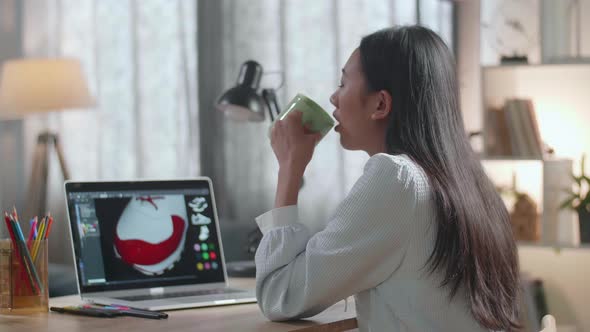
[525,219]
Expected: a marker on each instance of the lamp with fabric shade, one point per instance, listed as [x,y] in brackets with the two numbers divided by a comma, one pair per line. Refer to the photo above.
[40,86]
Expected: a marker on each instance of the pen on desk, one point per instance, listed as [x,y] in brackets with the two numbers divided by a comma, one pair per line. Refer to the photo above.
[141,314]
[158,314]
[134,313]
[85,311]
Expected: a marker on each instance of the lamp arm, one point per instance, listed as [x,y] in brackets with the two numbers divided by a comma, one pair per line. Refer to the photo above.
[270,98]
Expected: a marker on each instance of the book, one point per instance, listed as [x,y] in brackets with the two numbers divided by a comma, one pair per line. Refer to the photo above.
[533,146]
[512,130]
[491,138]
[535,127]
[497,133]
[515,126]
[504,134]
[523,130]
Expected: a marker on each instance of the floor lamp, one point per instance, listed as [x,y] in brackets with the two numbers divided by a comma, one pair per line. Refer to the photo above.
[42,86]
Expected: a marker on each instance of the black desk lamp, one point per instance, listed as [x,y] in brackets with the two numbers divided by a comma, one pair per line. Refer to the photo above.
[244,103]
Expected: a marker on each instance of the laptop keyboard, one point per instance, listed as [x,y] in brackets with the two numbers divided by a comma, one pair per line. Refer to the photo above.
[202,292]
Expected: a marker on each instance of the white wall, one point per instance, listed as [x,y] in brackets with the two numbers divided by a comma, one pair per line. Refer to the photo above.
[468,59]
[585,14]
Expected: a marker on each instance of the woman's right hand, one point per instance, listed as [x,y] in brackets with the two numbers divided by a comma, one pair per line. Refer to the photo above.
[293,143]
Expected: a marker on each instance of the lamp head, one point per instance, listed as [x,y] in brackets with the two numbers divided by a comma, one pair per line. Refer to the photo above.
[242,102]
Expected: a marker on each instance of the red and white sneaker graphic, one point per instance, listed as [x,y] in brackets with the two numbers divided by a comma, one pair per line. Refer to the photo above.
[199,204]
[150,233]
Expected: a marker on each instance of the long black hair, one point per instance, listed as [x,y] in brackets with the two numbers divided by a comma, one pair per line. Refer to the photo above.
[474,245]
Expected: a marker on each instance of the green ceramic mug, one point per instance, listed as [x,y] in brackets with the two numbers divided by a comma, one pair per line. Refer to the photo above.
[313,114]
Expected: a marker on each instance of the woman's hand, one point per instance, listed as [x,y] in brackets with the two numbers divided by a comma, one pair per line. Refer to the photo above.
[292,143]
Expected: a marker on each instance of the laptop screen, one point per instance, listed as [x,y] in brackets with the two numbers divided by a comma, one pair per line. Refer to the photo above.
[142,234]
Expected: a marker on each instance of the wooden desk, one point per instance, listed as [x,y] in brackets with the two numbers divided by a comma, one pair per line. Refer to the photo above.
[242,317]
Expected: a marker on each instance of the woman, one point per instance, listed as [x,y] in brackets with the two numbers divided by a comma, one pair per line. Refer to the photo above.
[422,240]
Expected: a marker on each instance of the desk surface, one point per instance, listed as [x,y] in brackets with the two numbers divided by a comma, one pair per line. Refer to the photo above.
[242,317]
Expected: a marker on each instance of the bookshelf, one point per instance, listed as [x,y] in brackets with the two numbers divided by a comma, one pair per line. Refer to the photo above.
[562,106]
[560,96]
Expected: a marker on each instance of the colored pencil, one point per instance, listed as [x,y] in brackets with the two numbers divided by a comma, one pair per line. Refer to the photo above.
[49,223]
[19,253]
[39,238]
[14,214]
[10,231]
[32,271]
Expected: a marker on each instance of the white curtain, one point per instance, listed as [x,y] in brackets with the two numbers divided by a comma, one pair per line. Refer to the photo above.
[308,40]
[141,64]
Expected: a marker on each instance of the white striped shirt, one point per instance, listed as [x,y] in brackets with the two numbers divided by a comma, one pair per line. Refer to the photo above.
[375,247]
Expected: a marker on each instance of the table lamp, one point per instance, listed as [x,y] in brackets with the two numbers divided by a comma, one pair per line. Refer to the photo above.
[41,86]
[242,102]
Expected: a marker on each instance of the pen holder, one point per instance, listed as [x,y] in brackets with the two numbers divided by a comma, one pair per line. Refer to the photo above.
[23,280]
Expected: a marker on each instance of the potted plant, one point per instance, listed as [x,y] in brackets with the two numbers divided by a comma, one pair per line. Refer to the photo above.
[579,201]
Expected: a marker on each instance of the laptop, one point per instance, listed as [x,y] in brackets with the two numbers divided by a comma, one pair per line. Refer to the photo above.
[149,244]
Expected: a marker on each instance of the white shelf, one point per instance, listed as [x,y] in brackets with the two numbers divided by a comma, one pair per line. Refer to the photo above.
[525,244]
[565,62]
[508,158]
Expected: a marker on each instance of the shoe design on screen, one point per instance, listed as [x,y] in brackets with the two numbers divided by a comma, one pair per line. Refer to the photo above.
[151,232]
[200,219]
[198,205]
[203,233]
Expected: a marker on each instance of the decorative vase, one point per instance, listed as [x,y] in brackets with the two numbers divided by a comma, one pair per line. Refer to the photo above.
[584,218]
[525,219]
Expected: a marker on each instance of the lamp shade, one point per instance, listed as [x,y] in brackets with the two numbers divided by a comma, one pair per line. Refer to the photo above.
[42,85]
[242,102]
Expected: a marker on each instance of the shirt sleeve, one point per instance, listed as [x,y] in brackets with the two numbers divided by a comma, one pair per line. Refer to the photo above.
[299,274]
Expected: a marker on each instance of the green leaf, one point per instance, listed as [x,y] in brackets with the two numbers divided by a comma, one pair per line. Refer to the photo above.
[578,179]
[567,204]
[570,192]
